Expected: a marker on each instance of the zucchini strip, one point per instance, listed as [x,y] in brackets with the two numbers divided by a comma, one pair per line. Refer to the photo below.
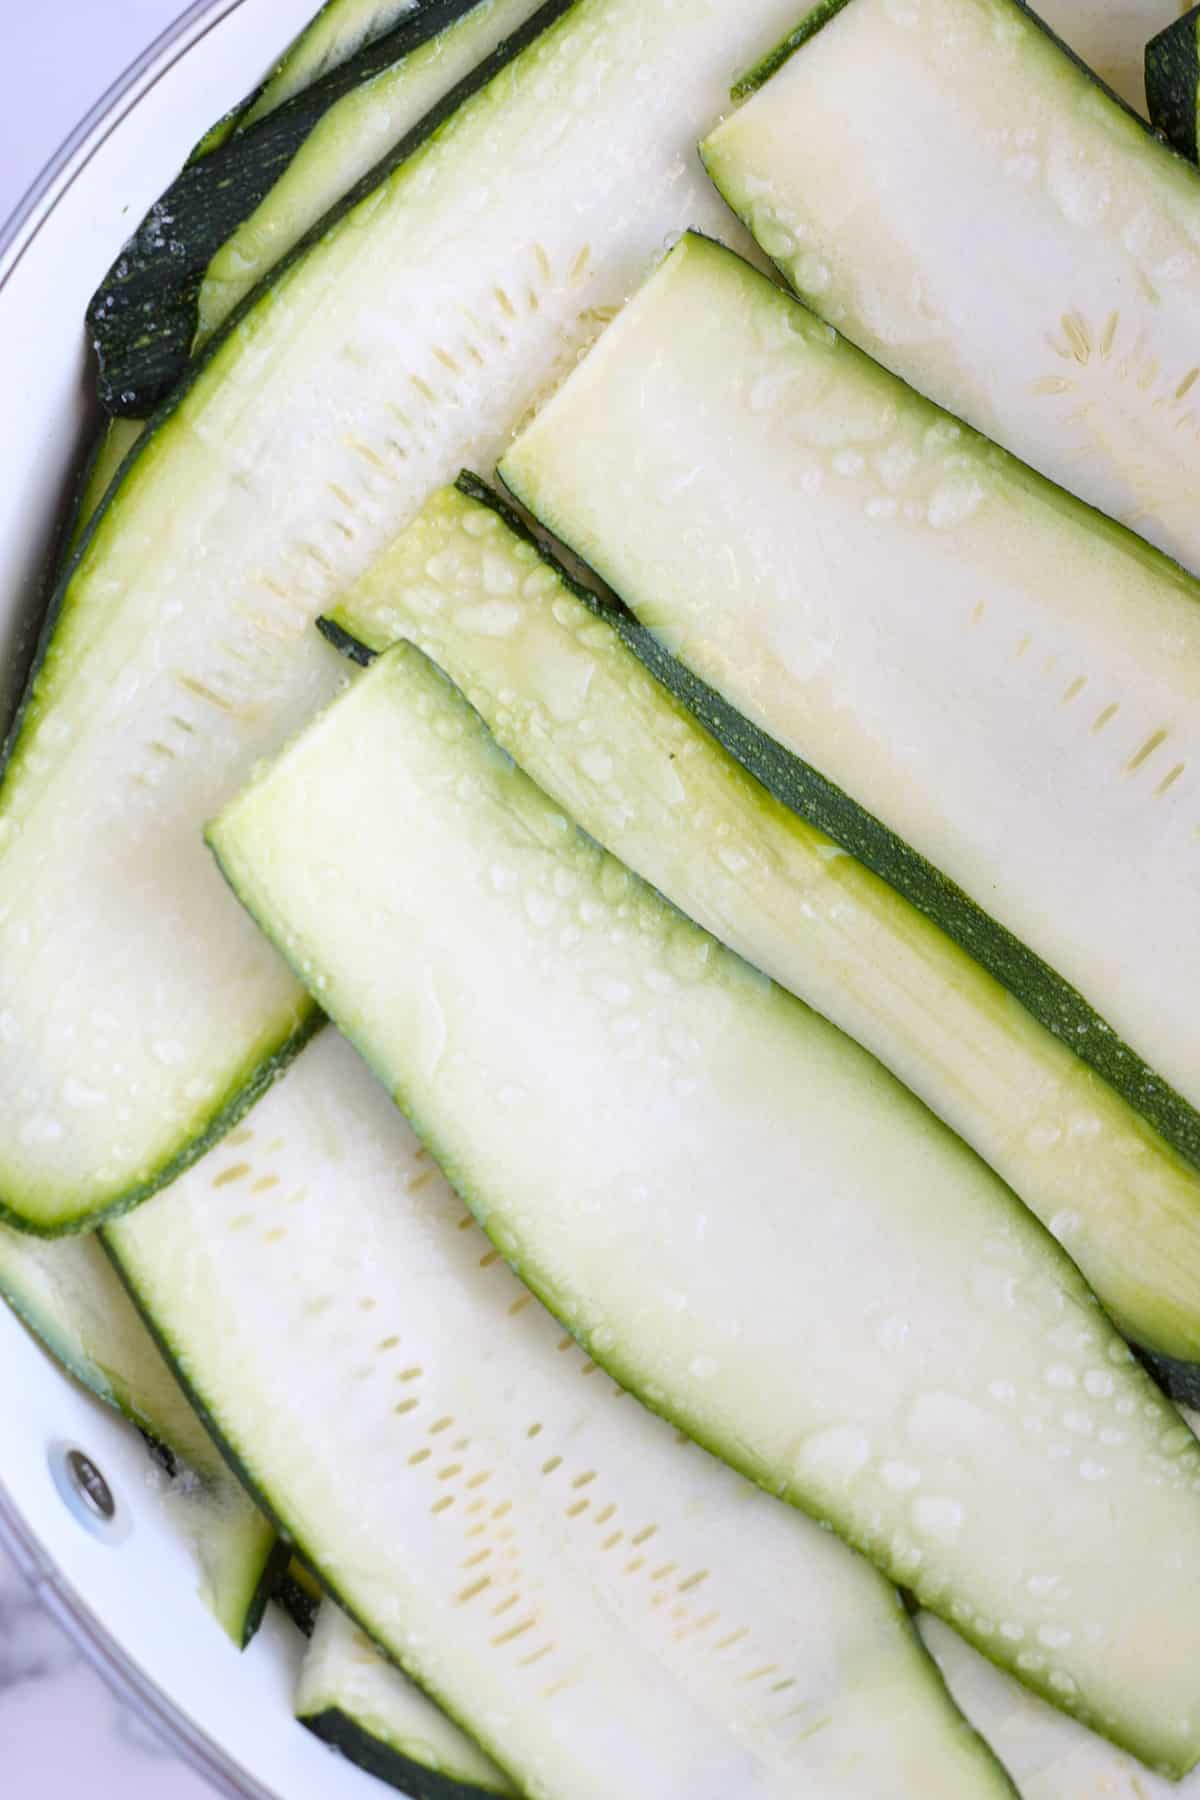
[412,336]
[1070,333]
[69,1297]
[733,1207]
[560,680]
[337,30]
[927,630]
[607,1610]
[352,1697]
[1050,1757]
[234,214]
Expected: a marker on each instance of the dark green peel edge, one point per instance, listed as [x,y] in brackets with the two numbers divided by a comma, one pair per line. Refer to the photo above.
[143,317]
[1052,1001]
[381,1759]
[268,1586]
[1173,83]
[299,1605]
[434,121]
[239,1101]
[233,1106]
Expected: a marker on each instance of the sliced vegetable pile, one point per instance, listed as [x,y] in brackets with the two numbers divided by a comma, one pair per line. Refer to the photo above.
[761,872]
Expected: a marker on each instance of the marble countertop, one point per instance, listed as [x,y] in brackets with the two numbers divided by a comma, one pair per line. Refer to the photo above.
[62,1733]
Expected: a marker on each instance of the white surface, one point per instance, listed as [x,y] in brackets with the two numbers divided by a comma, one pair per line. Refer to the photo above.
[63,1732]
[60,59]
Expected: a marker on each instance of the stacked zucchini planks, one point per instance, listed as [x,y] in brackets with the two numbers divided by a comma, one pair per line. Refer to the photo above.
[743,936]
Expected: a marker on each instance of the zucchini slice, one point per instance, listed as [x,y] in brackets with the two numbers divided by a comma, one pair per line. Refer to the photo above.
[733,1207]
[1173,82]
[331,38]
[1069,334]
[235,213]
[344,145]
[1008,681]
[1110,37]
[560,680]
[411,338]
[1049,1757]
[355,1699]
[605,1609]
[70,1298]
[113,444]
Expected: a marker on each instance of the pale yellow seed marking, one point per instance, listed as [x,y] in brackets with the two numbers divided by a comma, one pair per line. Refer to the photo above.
[1104,718]
[1154,742]
[473,1592]
[1170,779]
[236,1172]
[514,1632]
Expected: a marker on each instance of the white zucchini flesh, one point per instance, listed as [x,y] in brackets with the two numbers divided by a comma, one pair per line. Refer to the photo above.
[1110,36]
[71,1299]
[1071,333]
[563,690]
[350,1694]
[411,339]
[1008,682]
[608,1610]
[353,136]
[734,1208]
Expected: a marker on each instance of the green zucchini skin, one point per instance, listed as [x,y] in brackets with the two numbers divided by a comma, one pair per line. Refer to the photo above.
[1173,83]
[143,317]
[1053,1001]
[306,59]
[295,1600]
[357,1745]
[274,1571]
[547,15]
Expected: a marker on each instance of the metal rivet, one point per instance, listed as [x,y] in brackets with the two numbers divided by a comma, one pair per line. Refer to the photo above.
[95,1491]
[85,1492]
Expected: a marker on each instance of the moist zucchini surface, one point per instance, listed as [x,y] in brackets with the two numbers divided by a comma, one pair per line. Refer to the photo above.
[965,654]
[605,1608]
[734,1208]
[1070,333]
[411,338]
[588,703]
